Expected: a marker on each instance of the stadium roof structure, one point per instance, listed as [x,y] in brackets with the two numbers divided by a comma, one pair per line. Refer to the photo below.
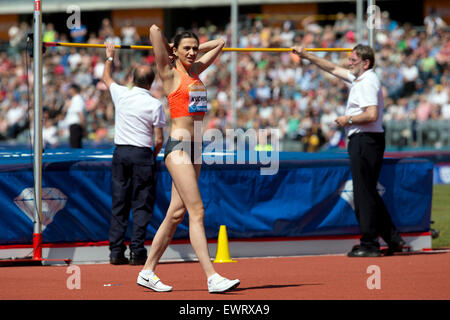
[27,6]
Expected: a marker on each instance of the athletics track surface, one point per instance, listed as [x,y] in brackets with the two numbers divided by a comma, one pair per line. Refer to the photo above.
[414,276]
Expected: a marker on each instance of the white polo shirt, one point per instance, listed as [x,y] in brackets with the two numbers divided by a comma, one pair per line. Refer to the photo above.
[365,91]
[137,112]
[76,107]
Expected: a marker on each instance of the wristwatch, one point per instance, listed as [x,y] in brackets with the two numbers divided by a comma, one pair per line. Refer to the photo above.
[350,121]
[109,59]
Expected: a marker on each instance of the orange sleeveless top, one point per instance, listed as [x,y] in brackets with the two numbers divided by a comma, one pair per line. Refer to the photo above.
[189,98]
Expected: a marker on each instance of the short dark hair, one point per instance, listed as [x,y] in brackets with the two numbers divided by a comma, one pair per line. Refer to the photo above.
[143,78]
[365,53]
[184,35]
[75,87]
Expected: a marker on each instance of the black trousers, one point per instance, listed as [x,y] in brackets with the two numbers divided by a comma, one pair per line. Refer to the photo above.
[133,188]
[366,157]
[76,136]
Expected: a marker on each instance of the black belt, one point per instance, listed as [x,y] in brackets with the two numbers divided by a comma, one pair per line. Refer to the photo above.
[133,147]
[368,134]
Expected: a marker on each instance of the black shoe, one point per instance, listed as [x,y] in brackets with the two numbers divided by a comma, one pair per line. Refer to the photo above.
[362,252]
[118,260]
[395,247]
[136,260]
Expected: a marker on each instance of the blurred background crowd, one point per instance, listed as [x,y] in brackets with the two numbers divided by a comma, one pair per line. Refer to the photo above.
[275,90]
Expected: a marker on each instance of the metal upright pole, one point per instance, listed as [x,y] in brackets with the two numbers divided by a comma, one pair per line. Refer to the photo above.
[359,20]
[37,137]
[234,78]
[371,6]
[37,146]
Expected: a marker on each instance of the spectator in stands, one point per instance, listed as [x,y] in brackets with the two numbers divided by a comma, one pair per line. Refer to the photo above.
[433,22]
[50,35]
[410,74]
[262,91]
[17,36]
[423,109]
[387,23]
[49,130]
[445,111]
[129,34]
[438,95]
[287,34]
[312,139]
[15,117]
[110,36]
[78,33]
[327,123]
[73,59]
[74,120]
[393,82]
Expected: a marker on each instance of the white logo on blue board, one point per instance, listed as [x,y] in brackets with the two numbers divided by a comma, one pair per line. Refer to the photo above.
[53,200]
[346,192]
[444,173]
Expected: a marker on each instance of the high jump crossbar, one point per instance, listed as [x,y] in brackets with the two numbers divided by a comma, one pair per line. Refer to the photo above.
[138,47]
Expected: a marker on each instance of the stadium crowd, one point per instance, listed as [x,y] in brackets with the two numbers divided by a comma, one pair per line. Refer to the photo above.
[275,90]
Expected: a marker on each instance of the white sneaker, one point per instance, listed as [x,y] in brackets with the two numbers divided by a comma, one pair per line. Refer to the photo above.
[217,284]
[151,281]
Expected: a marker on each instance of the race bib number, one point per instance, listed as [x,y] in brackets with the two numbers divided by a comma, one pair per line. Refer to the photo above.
[197,97]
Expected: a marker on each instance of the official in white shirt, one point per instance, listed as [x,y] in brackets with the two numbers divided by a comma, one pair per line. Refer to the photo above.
[363,125]
[139,123]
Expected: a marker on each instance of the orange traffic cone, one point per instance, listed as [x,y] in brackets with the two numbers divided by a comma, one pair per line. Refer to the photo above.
[223,253]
